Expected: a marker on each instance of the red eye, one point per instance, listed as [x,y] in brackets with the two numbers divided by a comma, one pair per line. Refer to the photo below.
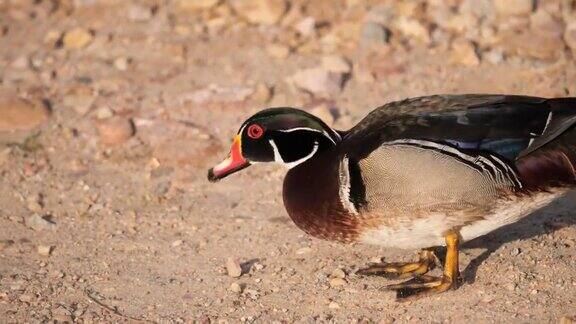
[255,131]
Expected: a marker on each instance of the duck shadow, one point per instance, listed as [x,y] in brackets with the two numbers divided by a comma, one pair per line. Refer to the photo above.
[559,214]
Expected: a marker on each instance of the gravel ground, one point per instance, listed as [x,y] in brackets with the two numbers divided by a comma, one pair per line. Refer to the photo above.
[112,111]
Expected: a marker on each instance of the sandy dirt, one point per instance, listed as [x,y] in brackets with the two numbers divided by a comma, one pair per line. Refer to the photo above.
[105,211]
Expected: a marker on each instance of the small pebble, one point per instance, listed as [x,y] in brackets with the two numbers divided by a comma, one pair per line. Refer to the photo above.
[262,94]
[38,223]
[177,243]
[33,204]
[115,130]
[306,27]
[57,274]
[337,282]
[77,38]
[235,287]
[258,266]
[44,250]
[104,112]
[338,273]
[121,64]
[334,305]
[26,298]
[304,250]
[374,33]
[376,259]
[233,268]
[336,63]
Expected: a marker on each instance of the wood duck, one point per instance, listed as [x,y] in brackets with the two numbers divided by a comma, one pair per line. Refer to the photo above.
[418,173]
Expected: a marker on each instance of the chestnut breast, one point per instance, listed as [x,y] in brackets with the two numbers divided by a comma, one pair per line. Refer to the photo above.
[311,198]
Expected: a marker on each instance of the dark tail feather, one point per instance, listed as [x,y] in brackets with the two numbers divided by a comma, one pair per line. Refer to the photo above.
[551,159]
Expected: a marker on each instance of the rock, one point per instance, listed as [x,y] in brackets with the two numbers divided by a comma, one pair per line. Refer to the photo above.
[373,33]
[336,63]
[333,305]
[34,204]
[38,223]
[265,12]
[26,298]
[318,81]
[19,114]
[540,46]
[216,93]
[306,27]
[513,7]
[138,13]
[464,53]
[104,112]
[570,36]
[235,287]
[115,130]
[460,24]
[233,268]
[56,274]
[278,51]
[5,243]
[493,56]
[337,282]
[44,250]
[177,243]
[80,98]
[413,29]
[510,286]
[262,93]
[323,112]
[304,250]
[338,273]
[541,22]
[194,5]
[77,38]
[121,63]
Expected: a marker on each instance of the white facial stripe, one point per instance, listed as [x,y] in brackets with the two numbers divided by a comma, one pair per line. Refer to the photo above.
[344,189]
[312,130]
[290,165]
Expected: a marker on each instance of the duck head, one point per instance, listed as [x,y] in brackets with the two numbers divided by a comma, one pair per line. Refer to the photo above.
[288,136]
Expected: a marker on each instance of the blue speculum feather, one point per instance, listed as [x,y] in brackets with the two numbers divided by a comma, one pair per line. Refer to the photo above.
[508,148]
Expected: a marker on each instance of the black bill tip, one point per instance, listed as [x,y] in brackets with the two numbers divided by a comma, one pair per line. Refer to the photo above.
[211,176]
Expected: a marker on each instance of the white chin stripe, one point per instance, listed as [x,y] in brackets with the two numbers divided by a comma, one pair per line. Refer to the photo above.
[344,189]
[290,165]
